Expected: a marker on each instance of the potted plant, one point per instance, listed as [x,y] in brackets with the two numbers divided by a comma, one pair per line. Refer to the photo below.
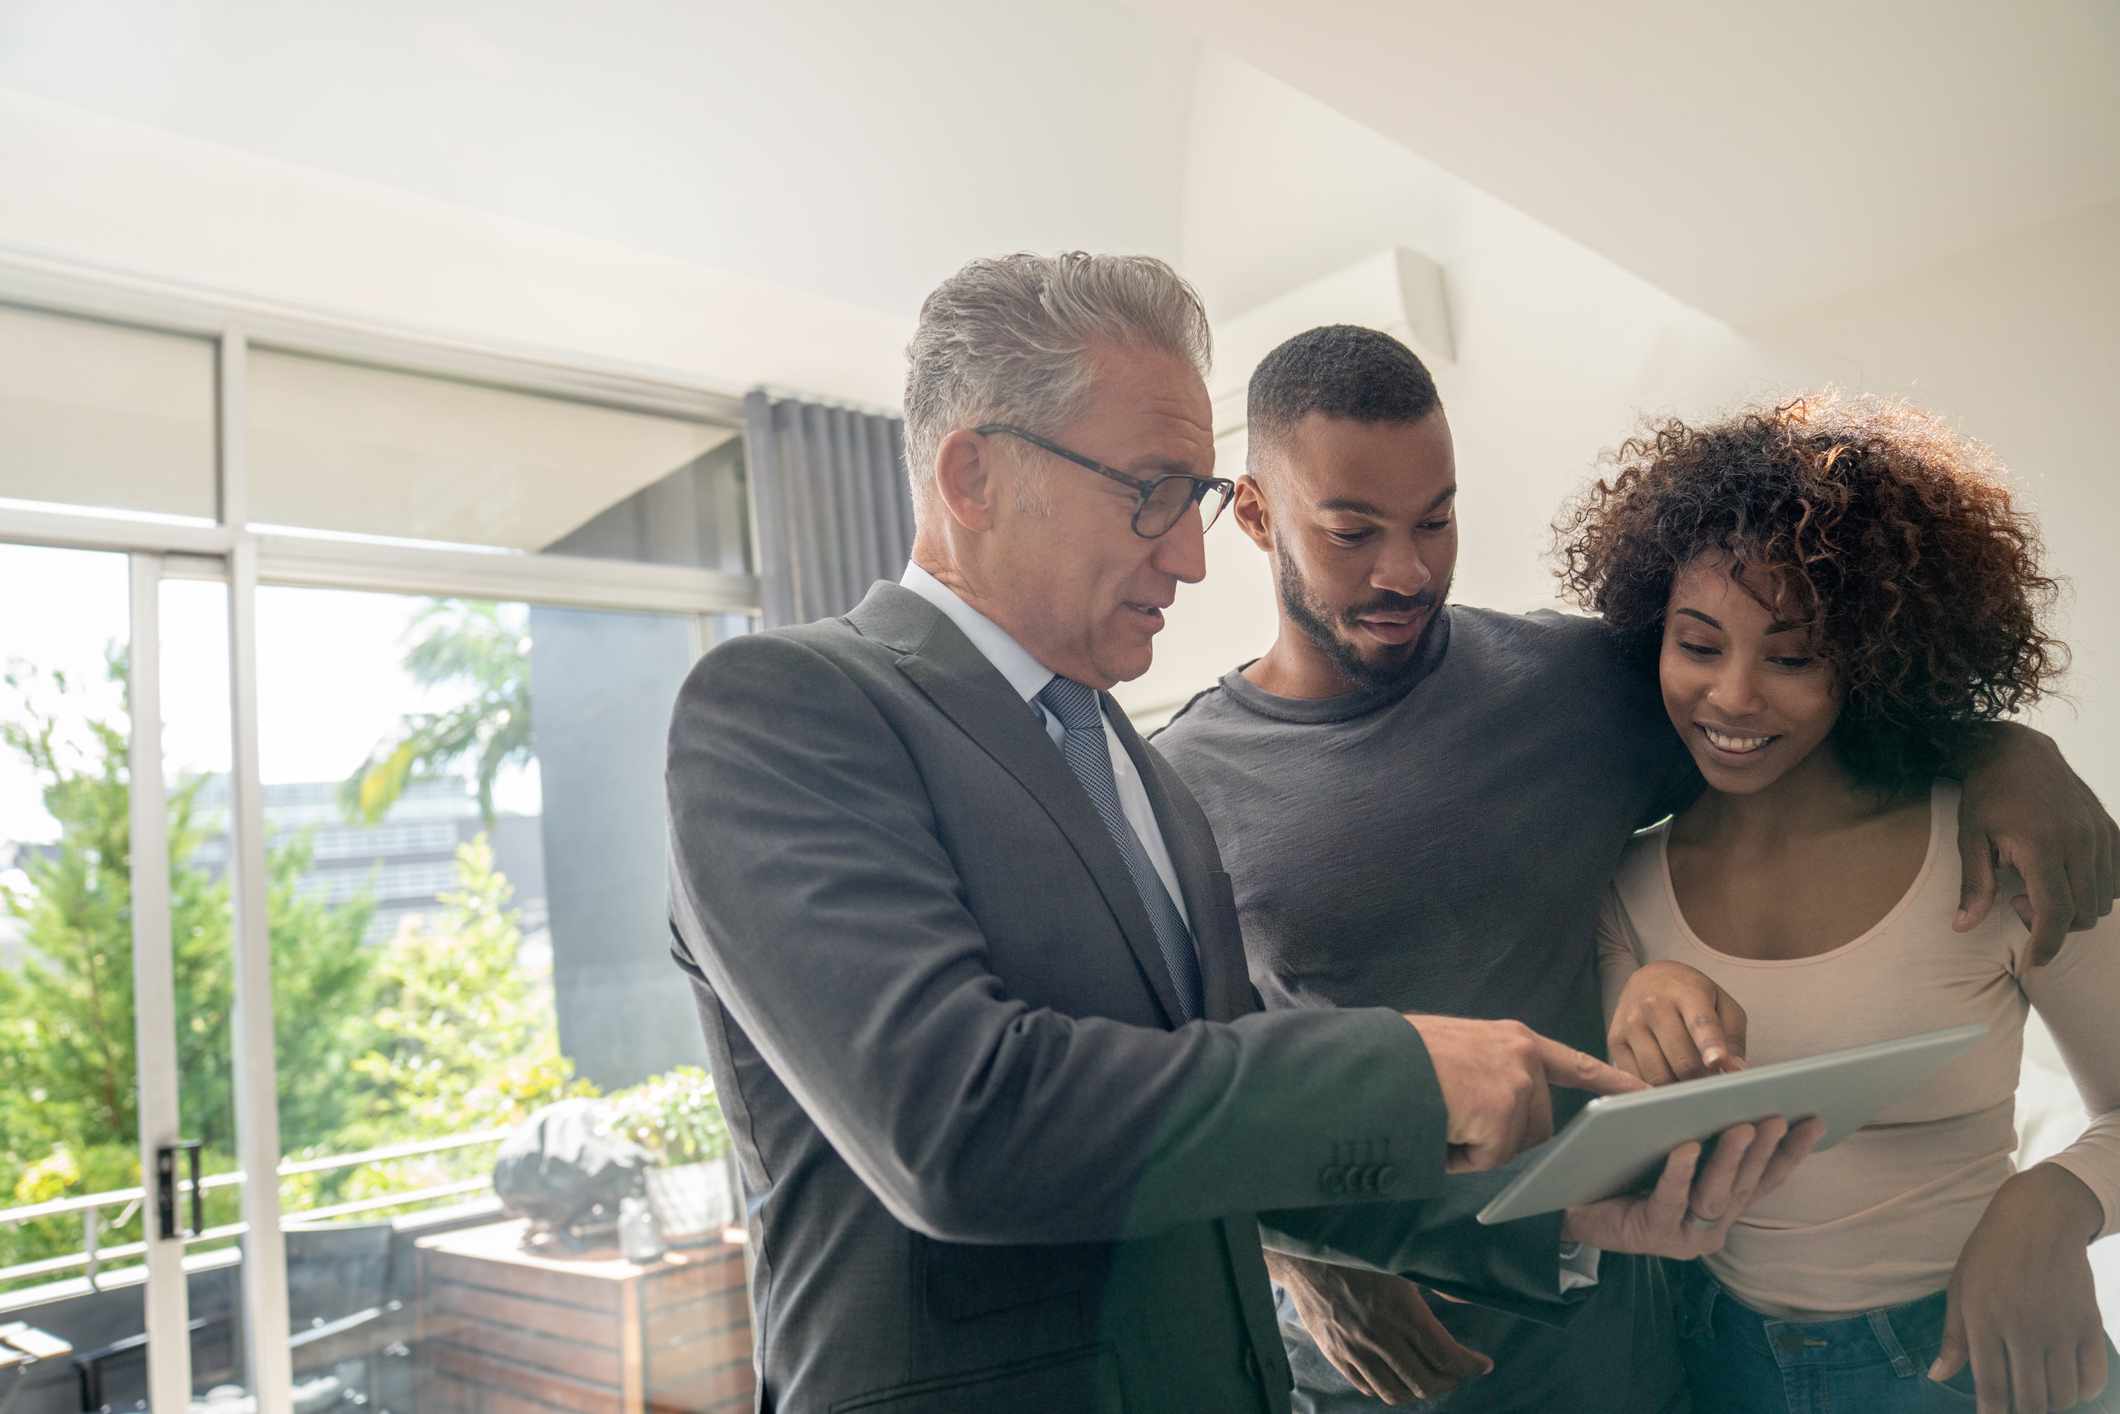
[676,1120]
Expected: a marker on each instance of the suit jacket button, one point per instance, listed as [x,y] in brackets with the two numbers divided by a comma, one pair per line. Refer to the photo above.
[1333,1179]
[1369,1178]
[1387,1178]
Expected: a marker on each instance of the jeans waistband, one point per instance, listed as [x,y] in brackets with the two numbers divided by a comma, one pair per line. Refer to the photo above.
[1900,1333]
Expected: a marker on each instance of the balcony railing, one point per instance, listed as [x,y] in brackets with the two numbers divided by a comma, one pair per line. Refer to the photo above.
[94,1257]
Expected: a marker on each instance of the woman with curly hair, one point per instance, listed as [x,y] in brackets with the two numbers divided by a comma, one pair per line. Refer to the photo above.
[1833,595]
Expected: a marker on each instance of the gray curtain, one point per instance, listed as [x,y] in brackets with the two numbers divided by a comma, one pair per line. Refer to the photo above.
[834,513]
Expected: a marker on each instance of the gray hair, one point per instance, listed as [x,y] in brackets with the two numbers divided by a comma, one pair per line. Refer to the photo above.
[1008,340]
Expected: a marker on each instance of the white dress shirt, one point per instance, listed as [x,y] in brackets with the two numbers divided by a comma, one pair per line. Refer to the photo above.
[1029,676]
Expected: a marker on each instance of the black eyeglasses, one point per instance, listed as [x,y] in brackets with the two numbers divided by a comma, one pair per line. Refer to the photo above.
[1164,501]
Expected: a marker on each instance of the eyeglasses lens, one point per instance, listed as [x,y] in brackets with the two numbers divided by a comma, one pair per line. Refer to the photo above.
[1172,496]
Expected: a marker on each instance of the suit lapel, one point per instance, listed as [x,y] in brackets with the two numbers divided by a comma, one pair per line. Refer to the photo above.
[1224,982]
[958,679]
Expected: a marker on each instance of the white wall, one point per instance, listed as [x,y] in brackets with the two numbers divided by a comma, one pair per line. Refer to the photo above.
[2019,344]
[1744,157]
[858,151]
[103,192]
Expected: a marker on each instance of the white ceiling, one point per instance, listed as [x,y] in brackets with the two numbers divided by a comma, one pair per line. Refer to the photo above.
[858,150]
[1746,158]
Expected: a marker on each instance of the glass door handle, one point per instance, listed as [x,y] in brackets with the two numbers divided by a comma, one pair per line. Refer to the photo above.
[166,1190]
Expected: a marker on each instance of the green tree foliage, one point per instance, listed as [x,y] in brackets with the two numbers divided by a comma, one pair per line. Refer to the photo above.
[446,1029]
[465,1036]
[66,1049]
[69,1030]
[68,1063]
[482,649]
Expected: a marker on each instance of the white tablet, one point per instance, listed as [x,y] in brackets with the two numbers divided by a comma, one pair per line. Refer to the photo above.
[1618,1143]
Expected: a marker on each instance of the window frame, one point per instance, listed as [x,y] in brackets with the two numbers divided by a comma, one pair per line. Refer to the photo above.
[231,551]
[324,560]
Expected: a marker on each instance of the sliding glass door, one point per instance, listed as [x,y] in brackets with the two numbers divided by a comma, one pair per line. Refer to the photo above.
[118,1185]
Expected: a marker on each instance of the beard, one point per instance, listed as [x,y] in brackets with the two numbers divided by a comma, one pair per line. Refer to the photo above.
[1394,666]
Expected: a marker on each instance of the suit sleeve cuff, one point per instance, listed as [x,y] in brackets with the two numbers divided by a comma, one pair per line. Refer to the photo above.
[1578,1266]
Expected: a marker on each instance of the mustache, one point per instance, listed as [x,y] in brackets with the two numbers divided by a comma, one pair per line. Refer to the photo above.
[1393,604]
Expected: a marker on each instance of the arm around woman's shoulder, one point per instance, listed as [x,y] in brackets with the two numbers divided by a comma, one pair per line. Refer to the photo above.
[2077,995]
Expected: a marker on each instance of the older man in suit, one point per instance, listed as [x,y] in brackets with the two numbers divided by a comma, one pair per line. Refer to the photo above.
[968,965]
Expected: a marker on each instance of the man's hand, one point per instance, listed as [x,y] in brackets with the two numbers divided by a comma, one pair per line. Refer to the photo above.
[1376,1330]
[2021,1303]
[1691,1210]
[1673,1023]
[1495,1077]
[2026,809]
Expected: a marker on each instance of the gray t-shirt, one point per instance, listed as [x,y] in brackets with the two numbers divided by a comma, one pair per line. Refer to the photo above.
[1444,848]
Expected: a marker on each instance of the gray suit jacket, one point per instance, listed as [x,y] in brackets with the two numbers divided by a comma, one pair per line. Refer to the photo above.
[985,1170]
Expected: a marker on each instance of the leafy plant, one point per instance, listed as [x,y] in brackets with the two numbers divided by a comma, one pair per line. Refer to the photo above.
[674,1116]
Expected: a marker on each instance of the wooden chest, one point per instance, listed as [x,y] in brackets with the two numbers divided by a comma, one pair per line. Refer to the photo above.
[513,1331]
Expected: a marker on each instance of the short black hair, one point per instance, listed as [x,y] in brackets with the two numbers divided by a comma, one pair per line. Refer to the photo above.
[1340,370]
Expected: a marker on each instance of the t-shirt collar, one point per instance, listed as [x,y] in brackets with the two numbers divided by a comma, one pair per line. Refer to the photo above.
[1435,641]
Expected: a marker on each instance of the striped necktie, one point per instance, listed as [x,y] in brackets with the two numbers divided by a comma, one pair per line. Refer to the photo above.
[1082,742]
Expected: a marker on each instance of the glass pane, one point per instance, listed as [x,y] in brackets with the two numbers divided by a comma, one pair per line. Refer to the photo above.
[468,924]
[69,1111]
[71,1227]
[343,447]
[101,415]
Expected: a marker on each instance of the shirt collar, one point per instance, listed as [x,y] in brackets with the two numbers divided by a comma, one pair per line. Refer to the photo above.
[1011,659]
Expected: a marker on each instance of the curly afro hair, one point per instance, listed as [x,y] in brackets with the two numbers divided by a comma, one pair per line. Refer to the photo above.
[1869,520]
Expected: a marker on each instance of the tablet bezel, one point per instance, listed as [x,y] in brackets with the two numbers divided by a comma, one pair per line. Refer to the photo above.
[1618,1143]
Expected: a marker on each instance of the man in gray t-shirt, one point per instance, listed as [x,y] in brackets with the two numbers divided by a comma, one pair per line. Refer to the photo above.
[1447,842]
[1421,805]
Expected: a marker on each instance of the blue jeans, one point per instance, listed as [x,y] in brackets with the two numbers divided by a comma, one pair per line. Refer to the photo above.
[1872,1362]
